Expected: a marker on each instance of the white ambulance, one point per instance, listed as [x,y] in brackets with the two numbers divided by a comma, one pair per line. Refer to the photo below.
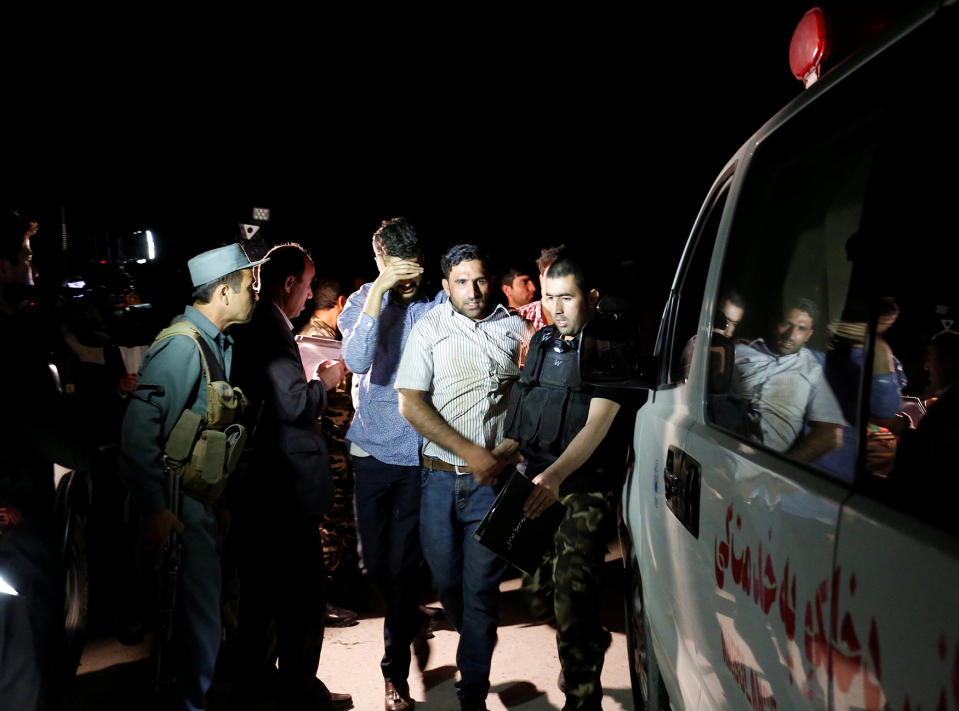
[790,530]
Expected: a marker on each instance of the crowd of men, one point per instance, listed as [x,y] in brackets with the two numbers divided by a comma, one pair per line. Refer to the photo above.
[447,393]
[383,456]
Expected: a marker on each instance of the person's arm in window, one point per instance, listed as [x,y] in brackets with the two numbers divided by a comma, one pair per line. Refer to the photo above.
[823,437]
[825,421]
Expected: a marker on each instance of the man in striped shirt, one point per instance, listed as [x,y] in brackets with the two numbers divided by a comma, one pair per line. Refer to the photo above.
[455,376]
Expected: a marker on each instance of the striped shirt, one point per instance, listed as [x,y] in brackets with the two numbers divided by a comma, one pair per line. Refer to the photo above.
[467,367]
[533,312]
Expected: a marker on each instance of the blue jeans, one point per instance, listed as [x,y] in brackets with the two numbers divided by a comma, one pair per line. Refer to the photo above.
[466,574]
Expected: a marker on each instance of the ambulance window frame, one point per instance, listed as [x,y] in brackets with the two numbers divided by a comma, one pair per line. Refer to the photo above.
[698,255]
[782,141]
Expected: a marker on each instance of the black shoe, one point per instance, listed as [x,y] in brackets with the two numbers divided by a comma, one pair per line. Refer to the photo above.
[339,616]
[437,619]
[479,705]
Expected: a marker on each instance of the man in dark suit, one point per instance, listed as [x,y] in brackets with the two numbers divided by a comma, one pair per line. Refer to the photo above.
[280,500]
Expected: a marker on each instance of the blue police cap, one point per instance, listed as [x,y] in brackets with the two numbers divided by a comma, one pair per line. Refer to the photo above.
[219,262]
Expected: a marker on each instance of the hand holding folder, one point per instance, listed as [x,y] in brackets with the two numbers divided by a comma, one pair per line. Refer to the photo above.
[506,531]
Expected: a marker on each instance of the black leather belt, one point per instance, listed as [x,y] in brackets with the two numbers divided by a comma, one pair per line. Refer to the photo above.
[434,463]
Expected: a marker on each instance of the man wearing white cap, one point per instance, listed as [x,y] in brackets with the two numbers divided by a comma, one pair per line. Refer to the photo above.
[170,382]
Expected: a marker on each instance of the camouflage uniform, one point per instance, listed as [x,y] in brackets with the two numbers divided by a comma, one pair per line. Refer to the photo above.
[568,584]
[338,527]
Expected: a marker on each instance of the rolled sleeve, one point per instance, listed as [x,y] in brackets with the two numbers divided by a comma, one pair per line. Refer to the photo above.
[416,365]
[823,406]
[359,332]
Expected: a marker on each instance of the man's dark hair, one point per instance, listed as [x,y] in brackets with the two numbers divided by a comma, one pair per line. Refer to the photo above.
[286,260]
[547,256]
[735,298]
[511,274]
[806,305]
[462,253]
[567,262]
[13,228]
[396,238]
[325,293]
[204,293]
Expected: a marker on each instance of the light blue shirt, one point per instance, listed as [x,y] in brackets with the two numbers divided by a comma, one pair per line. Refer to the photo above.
[786,390]
[371,349]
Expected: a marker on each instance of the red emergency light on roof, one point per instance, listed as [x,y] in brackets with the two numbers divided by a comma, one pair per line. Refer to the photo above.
[808,47]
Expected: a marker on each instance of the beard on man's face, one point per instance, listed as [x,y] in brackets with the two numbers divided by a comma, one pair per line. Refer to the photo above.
[406,291]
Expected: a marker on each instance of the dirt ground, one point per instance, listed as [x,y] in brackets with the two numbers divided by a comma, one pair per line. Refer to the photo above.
[523,677]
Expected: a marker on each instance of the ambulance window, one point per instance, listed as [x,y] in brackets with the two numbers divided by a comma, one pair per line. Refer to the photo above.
[688,299]
[910,224]
[788,314]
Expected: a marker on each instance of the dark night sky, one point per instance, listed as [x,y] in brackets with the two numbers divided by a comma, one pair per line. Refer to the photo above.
[588,127]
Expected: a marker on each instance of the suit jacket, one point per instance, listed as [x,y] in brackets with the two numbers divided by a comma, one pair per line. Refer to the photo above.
[289,463]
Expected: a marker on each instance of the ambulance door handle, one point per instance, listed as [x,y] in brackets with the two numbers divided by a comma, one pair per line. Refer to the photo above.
[670,477]
[693,490]
[681,486]
[671,483]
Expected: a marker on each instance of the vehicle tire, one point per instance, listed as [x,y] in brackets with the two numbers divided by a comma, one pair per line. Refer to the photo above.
[649,692]
[658,699]
[76,594]
[76,580]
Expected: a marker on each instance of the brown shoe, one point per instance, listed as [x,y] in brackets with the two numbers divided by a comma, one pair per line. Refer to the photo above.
[398,698]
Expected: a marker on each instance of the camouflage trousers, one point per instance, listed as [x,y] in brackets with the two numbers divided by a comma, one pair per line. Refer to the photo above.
[338,527]
[568,584]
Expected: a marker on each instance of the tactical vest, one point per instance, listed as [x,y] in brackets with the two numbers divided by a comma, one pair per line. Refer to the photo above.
[204,449]
[548,407]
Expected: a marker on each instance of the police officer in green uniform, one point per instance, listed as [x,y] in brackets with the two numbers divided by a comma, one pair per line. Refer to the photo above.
[170,382]
[570,437]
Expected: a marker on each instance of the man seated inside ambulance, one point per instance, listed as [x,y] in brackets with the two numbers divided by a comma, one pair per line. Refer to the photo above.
[789,406]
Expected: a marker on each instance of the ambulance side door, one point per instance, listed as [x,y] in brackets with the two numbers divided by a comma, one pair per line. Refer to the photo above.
[895,641]
[760,607]
[655,513]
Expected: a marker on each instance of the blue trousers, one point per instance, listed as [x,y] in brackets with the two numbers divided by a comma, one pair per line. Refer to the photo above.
[388,513]
[199,604]
[466,574]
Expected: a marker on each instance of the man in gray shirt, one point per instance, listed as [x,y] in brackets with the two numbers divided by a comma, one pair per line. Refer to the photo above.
[784,389]
[459,364]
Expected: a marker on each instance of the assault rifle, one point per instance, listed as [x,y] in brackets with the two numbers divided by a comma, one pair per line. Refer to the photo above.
[168,582]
